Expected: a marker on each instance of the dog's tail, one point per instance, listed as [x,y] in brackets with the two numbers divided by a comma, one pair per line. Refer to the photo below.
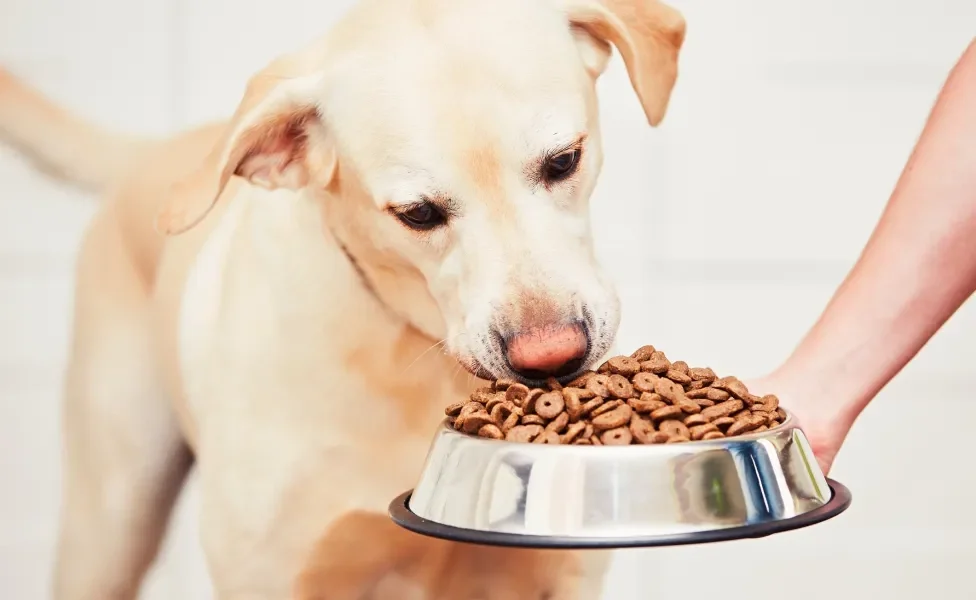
[59,143]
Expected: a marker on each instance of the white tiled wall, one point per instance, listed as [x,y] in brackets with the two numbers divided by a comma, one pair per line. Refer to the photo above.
[787,131]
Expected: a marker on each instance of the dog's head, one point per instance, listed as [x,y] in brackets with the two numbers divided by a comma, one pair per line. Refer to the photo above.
[454,145]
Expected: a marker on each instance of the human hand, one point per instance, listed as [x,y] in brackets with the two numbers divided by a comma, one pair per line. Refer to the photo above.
[824,425]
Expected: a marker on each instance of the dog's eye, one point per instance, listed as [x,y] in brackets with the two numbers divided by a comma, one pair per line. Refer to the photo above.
[422,217]
[562,165]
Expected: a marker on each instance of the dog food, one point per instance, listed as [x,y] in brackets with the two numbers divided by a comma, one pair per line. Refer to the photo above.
[643,398]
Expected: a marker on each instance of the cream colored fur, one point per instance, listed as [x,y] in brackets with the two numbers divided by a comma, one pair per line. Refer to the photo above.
[246,302]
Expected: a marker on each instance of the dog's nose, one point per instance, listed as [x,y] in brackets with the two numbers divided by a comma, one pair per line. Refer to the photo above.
[548,351]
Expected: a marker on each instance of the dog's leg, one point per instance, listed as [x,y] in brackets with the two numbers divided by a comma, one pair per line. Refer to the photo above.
[124,458]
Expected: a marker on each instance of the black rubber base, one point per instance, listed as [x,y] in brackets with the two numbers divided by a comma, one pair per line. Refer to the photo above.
[840,500]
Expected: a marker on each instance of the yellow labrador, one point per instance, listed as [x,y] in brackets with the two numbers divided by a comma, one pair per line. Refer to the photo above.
[266,297]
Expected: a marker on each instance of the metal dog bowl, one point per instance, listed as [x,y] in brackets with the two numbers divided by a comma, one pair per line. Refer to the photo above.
[492,492]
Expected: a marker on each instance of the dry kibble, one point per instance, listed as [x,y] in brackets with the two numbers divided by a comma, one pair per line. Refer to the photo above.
[454,409]
[667,412]
[619,387]
[523,433]
[620,436]
[705,375]
[644,382]
[643,353]
[597,385]
[559,423]
[606,406]
[516,393]
[617,417]
[643,398]
[716,394]
[678,376]
[624,365]
[490,430]
[501,385]
[549,405]
[581,380]
[528,405]
[573,432]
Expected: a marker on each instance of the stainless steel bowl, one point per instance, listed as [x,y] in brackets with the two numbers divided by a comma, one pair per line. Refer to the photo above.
[504,493]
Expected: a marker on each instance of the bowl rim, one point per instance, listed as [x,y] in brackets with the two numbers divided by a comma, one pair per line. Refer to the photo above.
[789,424]
[401,514]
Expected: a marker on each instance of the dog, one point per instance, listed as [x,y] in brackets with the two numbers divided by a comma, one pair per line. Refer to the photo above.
[284,301]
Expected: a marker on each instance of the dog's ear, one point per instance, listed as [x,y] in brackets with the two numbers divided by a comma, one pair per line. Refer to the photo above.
[647,34]
[276,139]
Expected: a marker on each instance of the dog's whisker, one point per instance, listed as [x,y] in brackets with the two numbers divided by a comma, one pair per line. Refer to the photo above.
[422,354]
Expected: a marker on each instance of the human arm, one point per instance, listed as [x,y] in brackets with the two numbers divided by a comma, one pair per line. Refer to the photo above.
[916,270]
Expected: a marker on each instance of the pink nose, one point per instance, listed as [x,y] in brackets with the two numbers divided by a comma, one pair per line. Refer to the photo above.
[548,351]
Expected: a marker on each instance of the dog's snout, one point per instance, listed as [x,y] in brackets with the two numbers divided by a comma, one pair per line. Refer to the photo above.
[548,351]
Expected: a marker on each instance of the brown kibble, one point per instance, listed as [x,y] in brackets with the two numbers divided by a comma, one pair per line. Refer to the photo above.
[697,394]
[503,384]
[713,435]
[500,412]
[717,395]
[641,430]
[723,421]
[705,402]
[604,369]
[482,395]
[581,380]
[490,430]
[760,428]
[470,408]
[617,417]
[693,420]
[582,442]
[523,433]
[699,431]
[770,403]
[598,385]
[705,374]
[667,412]
[689,406]
[680,366]
[573,432]
[644,382]
[606,406]
[548,437]
[595,440]
[574,406]
[624,365]
[659,437]
[737,389]
[676,439]
[643,353]
[473,422]
[588,432]
[668,390]
[695,385]
[647,403]
[781,413]
[549,405]
[511,421]
[559,423]
[516,393]
[619,387]
[744,425]
[554,385]
[620,436]
[722,410]
[678,377]
[657,364]
[591,405]
[498,398]
[533,420]
[751,400]
[766,417]
[528,405]
[673,428]
[454,409]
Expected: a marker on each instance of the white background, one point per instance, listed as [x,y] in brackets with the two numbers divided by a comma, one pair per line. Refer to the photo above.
[727,230]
